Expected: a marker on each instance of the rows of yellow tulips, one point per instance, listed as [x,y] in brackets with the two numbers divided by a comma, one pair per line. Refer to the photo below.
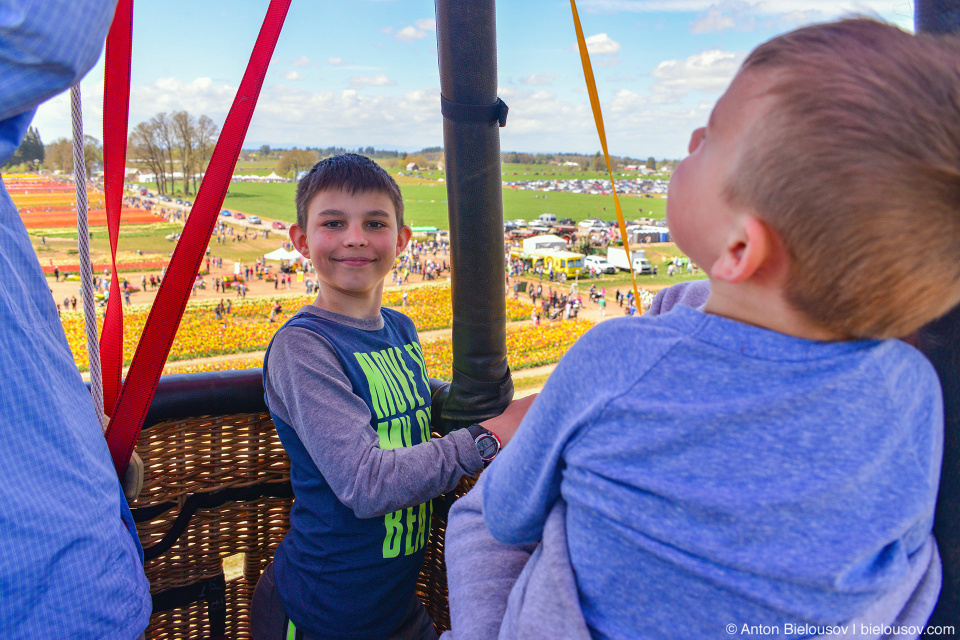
[527,346]
[248,328]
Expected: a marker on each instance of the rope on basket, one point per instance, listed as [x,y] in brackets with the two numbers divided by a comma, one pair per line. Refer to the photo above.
[86,267]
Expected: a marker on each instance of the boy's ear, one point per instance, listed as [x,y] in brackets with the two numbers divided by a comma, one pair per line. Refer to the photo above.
[745,251]
[299,240]
[403,238]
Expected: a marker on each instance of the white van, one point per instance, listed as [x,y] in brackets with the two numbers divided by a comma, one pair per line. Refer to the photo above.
[548,219]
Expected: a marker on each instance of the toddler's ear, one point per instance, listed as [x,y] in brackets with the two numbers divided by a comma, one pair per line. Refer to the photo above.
[746,250]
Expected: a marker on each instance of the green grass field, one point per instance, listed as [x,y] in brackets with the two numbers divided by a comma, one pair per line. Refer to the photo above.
[425,197]
[426,203]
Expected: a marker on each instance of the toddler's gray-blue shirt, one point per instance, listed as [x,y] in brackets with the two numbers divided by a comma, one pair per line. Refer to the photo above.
[717,473]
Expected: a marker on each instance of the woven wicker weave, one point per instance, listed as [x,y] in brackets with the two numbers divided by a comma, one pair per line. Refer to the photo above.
[200,455]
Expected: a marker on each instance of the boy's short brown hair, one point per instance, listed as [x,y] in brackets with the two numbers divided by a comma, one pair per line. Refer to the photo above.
[857,167]
[349,172]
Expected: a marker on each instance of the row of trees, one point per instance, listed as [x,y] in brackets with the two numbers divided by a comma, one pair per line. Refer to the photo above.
[171,142]
[266,152]
[30,153]
[59,155]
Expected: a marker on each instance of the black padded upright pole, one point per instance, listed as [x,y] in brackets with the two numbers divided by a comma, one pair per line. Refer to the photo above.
[937,16]
[940,341]
[467,50]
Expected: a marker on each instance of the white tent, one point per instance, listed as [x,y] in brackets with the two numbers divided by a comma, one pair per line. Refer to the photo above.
[547,241]
[283,254]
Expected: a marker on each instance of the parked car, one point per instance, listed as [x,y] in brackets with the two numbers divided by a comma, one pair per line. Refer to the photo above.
[599,263]
[590,223]
[226,213]
[238,215]
[253,220]
[508,226]
[520,222]
[567,221]
[278,225]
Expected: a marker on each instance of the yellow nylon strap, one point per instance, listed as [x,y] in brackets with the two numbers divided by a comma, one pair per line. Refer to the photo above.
[598,118]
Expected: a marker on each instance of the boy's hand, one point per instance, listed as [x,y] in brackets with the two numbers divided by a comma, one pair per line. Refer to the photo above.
[505,424]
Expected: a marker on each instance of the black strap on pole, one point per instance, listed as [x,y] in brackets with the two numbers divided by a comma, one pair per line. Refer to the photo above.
[481,385]
[940,342]
[475,113]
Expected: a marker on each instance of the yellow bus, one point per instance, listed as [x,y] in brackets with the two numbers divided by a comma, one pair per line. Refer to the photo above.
[565,264]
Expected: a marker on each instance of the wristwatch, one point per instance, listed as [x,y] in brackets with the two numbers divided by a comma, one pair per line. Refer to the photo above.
[488,444]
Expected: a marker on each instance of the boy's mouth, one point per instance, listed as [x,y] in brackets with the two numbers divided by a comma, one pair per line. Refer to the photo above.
[354,261]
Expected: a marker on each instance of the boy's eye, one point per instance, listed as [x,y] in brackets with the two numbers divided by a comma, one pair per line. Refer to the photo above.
[332,224]
[376,224]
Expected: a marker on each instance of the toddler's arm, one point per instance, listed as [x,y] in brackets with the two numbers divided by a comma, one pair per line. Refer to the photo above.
[480,571]
[307,388]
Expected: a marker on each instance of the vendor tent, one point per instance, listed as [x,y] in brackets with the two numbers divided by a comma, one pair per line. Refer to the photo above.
[283,254]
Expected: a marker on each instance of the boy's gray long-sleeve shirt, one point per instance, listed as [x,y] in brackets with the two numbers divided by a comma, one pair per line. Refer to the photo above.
[307,388]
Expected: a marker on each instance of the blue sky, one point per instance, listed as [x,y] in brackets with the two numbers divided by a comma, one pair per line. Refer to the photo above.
[365,72]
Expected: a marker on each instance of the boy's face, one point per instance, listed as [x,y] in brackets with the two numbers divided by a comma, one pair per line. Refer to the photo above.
[698,213]
[352,240]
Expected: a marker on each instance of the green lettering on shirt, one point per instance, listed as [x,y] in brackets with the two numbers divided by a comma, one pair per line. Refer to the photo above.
[391,381]
[422,527]
[413,383]
[423,420]
[380,395]
[411,530]
[391,542]
[390,358]
[391,433]
[416,352]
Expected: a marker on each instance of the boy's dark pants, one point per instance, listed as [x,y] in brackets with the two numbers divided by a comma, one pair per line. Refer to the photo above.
[269,621]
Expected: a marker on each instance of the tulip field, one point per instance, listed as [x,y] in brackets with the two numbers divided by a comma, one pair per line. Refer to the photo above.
[247,329]
[527,346]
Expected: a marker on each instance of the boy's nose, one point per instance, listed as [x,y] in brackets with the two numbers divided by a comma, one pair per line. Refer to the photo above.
[356,237]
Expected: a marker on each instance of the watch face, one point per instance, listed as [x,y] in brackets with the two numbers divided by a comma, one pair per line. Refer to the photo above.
[488,447]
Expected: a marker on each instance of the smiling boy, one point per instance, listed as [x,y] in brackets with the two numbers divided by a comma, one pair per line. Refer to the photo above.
[347,388]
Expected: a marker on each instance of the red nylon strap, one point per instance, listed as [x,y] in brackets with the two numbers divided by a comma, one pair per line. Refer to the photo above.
[116,103]
[164,319]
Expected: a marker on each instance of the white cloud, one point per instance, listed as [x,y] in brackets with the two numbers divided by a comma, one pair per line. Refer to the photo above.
[415,31]
[292,75]
[712,20]
[709,72]
[785,12]
[379,80]
[199,96]
[539,79]
[600,45]
[410,33]
[287,115]
[301,62]
[334,62]
[635,125]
